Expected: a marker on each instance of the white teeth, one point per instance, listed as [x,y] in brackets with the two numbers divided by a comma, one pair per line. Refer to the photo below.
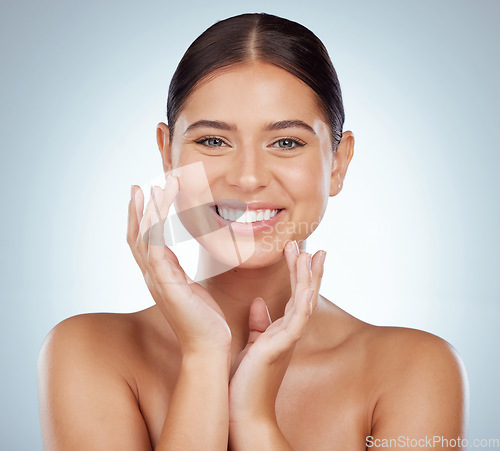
[239,215]
[247,216]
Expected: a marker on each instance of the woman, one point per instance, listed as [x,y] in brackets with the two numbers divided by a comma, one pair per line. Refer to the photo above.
[251,356]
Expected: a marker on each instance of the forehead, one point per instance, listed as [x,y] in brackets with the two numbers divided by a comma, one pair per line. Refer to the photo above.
[252,94]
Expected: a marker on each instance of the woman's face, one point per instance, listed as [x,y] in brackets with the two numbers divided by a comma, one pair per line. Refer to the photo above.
[251,138]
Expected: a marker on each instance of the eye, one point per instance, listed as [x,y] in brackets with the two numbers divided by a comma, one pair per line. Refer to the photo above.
[289,143]
[211,141]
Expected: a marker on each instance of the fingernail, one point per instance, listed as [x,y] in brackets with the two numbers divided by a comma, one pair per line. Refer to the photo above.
[296,248]
[132,190]
[322,257]
[309,258]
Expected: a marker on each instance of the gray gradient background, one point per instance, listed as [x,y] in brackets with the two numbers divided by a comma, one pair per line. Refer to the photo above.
[411,239]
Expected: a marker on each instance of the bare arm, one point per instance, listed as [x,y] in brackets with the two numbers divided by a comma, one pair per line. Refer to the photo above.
[198,415]
[85,400]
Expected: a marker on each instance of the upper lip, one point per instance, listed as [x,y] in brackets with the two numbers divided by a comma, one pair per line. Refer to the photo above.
[238,204]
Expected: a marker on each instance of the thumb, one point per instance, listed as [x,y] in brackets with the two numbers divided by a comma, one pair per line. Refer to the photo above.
[259,319]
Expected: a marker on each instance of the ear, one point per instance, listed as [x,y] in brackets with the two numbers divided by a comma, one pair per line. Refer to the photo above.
[340,162]
[163,140]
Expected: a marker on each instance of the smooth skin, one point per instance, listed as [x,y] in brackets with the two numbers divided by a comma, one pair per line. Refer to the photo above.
[253,358]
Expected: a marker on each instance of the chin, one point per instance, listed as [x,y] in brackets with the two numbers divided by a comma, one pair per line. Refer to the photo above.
[262,258]
[243,251]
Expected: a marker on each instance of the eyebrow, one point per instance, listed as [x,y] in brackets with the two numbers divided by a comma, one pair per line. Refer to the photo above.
[280,125]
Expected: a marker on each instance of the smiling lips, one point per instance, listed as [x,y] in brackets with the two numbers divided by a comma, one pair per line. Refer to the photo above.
[247,216]
[242,217]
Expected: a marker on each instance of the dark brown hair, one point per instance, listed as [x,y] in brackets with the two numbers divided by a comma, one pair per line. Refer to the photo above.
[262,37]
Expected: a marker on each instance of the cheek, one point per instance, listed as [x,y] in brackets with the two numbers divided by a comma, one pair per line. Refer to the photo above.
[182,157]
[212,166]
[308,186]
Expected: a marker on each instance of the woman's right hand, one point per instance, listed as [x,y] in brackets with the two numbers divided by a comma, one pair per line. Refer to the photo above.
[191,311]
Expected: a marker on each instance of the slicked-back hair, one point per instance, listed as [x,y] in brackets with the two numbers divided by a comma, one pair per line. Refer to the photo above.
[260,37]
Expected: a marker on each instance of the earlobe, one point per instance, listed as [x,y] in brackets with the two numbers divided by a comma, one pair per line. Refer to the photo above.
[163,141]
[341,160]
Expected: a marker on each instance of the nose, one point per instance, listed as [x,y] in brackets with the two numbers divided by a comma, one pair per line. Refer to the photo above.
[249,169]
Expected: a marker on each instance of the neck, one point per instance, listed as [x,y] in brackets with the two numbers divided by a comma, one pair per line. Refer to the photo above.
[234,289]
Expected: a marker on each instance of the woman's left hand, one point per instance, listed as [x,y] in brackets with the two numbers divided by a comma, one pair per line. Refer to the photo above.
[261,366]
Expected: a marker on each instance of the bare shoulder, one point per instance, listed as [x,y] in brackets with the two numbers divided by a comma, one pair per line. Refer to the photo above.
[399,351]
[422,377]
[86,384]
[405,351]
[87,325]
[89,328]
[93,337]
[413,383]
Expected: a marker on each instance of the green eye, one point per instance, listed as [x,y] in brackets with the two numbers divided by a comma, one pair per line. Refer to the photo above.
[289,143]
[211,141]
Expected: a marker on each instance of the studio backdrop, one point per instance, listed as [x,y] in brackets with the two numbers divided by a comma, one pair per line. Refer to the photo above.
[411,238]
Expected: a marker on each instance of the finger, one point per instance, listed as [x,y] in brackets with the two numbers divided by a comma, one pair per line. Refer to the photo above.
[143,237]
[317,269]
[142,243]
[161,201]
[259,319]
[168,276]
[169,193]
[156,242]
[303,269]
[134,218]
[302,285]
[299,264]
[157,211]
[293,329]
[159,204]
[139,203]
[291,255]
[140,226]
[162,260]
[163,263]
[133,224]
[289,307]
[144,221]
